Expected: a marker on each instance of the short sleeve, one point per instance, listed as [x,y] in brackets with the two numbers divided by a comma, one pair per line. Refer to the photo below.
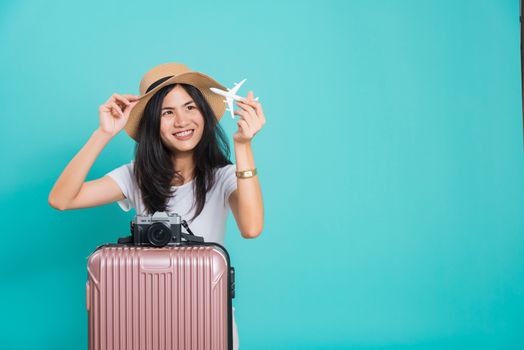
[229,180]
[124,177]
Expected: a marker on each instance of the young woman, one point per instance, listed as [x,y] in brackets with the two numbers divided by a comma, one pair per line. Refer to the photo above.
[181,160]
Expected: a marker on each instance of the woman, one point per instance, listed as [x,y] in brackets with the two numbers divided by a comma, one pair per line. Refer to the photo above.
[181,158]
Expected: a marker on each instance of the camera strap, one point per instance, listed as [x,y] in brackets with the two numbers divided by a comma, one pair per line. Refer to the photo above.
[186,226]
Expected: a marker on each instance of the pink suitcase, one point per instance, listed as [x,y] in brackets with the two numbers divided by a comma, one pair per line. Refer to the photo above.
[173,297]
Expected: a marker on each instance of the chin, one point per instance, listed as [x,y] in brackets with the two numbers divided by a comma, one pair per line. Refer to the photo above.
[183,146]
[183,149]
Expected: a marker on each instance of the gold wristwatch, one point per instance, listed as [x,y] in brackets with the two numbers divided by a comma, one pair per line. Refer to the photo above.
[244,174]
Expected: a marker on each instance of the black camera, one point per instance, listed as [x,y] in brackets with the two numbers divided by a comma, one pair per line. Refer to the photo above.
[159,230]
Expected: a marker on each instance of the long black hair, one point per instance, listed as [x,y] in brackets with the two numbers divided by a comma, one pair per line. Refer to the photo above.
[154,169]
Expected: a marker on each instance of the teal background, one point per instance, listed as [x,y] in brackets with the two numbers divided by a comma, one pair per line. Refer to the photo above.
[391,164]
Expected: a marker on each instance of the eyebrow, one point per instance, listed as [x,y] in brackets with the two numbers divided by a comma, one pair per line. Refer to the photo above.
[185,104]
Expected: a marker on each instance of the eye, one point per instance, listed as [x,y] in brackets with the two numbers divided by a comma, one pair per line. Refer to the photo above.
[166,112]
[191,107]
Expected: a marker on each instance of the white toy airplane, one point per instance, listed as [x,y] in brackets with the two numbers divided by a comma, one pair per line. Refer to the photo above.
[230,95]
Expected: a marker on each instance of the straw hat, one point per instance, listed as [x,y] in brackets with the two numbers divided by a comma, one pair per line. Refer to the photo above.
[171,73]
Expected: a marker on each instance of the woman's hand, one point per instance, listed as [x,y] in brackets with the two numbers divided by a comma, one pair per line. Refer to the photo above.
[251,119]
[115,113]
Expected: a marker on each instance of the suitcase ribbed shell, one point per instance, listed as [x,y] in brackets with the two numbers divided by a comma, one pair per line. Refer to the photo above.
[142,298]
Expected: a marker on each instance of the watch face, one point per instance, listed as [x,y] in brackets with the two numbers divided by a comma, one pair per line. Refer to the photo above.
[246,173]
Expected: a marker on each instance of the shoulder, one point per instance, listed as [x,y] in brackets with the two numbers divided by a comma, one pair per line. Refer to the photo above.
[128,166]
[226,168]
[225,172]
[124,171]
[226,180]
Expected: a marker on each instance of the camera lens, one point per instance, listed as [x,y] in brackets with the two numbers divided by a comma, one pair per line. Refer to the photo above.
[158,234]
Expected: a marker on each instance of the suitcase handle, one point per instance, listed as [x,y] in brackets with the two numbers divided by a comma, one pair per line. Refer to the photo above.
[232,279]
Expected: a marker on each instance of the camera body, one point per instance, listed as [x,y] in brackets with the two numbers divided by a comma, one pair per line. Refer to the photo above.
[157,230]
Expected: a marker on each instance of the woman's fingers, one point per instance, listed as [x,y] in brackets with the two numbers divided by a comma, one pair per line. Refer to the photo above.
[131,97]
[116,108]
[256,106]
[127,98]
[121,100]
[130,107]
[245,127]
[253,114]
[124,99]
[117,104]
[251,118]
[252,125]
[247,116]
[247,107]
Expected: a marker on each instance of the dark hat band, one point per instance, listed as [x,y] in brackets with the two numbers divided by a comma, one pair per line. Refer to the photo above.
[158,82]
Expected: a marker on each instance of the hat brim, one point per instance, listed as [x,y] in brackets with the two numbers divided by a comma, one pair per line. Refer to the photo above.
[201,81]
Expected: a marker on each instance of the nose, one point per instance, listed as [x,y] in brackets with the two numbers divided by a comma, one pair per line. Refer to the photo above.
[179,120]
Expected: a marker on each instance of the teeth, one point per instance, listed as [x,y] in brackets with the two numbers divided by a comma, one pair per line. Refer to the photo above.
[184,133]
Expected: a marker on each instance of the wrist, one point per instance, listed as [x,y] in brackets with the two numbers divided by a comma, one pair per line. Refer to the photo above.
[102,135]
[246,144]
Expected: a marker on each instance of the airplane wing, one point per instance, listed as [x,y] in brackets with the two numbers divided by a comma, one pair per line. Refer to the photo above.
[236,97]
[236,87]
[230,106]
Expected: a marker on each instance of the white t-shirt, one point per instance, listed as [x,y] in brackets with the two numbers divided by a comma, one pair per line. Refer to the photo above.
[210,224]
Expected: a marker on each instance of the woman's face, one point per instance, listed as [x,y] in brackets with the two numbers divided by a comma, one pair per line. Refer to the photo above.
[181,122]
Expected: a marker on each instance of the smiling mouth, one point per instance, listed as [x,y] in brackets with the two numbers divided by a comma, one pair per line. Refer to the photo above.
[184,135]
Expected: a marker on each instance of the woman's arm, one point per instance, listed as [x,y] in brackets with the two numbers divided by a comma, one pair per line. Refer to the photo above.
[72,178]
[113,116]
[246,201]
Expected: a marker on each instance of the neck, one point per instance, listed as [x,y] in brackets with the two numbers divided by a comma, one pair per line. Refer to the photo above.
[184,165]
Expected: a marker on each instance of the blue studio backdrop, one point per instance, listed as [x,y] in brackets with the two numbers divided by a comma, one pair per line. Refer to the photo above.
[391,164]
